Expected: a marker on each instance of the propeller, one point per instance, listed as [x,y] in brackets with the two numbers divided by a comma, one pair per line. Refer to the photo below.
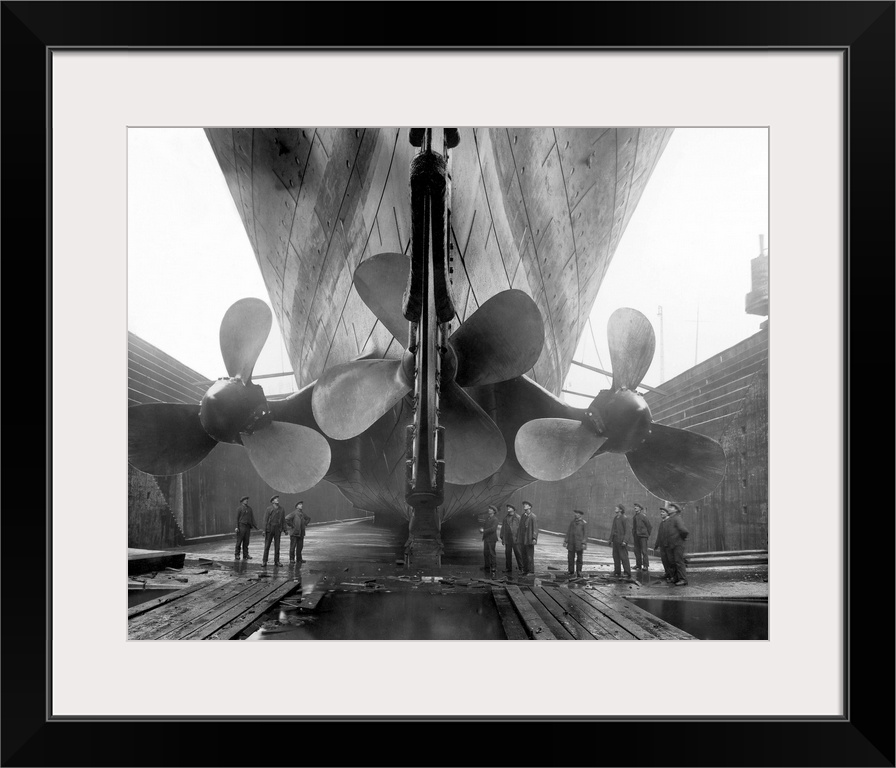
[499,341]
[170,438]
[244,330]
[166,438]
[350,397]
[556,447]
[671,463]
[674,461]
[474,446]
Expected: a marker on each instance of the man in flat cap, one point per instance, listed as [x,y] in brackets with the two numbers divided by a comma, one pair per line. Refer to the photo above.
[576,542]
[660,545]
[509,527]
[618,530]
[296,522]
[245,522]
[641,530]
[676,534]
[274,523]
[489,532]
[528,537]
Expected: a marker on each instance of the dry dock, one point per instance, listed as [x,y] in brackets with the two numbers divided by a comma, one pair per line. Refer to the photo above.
[355,585]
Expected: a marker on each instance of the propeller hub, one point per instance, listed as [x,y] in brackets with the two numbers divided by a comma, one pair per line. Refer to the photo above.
[623,417]
[231,407]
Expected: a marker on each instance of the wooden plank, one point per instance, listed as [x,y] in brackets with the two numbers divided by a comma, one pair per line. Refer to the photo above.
[563,617]
[176,595]
[309,602]
[636,629]
[558,630]
[728,553]
[149,625]
[247,605]
[210,621]
[145,624]
[513,627]
[650,623]
[144,560]
[232,629]
[589,617]
[535,627]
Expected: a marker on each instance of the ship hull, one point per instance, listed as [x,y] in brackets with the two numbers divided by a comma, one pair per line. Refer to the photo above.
[541,210]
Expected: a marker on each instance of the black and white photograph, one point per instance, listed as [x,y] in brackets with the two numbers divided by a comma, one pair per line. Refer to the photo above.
[439,341]
[429,383]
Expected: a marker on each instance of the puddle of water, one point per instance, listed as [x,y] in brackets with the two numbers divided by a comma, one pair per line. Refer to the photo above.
[392,616]
[712,619]
[137,596]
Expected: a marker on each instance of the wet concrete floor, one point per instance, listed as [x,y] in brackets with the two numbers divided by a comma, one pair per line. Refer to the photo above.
[370,594]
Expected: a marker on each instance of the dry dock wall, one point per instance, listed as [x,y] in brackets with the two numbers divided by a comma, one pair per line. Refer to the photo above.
[725,398]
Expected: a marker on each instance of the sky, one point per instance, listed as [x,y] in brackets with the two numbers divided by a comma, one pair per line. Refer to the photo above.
[687,249]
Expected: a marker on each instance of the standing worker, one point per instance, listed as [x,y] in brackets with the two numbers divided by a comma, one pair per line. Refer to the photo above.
[660,545]
[489,540]
[527,535]
[245,522]
[274,522]
[576,542]
[676,534]
[618,531]
[296,522]
[509,533]
[641,530]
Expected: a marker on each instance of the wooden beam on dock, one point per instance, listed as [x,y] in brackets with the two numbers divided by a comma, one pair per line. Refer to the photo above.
[589,617]
[210,610]
[559,612]
[513,627]
[151,625]
[175,595]
[535,627]
[636,620]
[227,610]
[146,560]
[558,630]
[235,627]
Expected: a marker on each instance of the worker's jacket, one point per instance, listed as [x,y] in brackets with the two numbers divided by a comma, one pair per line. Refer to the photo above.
[296,521]
[618,530]
[490,530]
[244,516]
[527,533]
[274,519]
[509,528]
[576,534]
[661,534]
[676,533]
[641,525]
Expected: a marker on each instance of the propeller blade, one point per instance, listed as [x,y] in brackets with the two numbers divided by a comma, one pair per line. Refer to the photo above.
[474,446]
[350,397]
[289,458]
[499,341]
[380,282]
[677,464]
[244,330]
[632,343]
[551,449]
[166,438]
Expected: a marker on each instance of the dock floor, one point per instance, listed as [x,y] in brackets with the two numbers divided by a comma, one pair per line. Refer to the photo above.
[558,612]
[207,610]
[356,565]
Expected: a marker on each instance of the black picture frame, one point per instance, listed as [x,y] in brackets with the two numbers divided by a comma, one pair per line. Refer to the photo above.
[863,31]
